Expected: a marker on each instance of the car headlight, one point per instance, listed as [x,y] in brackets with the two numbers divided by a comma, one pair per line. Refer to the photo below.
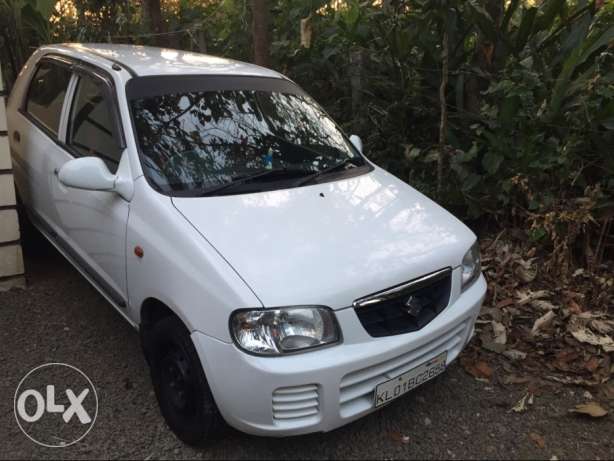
[284,330]
[471,266]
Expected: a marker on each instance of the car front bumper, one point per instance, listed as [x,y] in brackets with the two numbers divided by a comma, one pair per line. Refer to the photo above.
[321,390]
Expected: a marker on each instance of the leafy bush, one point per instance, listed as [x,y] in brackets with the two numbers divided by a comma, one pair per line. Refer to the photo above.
[529,99]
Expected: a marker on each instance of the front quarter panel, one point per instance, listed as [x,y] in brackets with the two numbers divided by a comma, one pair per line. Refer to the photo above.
[179,267]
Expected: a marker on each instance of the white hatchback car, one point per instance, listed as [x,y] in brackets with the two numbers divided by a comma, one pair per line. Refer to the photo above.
[280,281]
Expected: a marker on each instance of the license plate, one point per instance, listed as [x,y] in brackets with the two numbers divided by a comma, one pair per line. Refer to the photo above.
[396,387]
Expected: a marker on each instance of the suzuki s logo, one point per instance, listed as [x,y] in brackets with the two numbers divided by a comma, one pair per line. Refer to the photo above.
[413,306]
[55,405]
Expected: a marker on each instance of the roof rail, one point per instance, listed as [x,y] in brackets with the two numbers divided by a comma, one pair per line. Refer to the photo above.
[117,65]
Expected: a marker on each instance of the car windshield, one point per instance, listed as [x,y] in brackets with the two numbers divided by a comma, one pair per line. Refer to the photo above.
[234,135]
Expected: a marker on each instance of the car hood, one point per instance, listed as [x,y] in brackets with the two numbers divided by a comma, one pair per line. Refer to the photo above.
[331,243]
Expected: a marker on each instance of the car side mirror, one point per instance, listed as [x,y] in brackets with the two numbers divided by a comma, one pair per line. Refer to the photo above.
[88,173]
[357,142]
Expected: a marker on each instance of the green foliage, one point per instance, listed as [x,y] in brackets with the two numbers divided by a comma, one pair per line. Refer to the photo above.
[542,77]
[546,117]
[23,24]
[530,94]
[94,21]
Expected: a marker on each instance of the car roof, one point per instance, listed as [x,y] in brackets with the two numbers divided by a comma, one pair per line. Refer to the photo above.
[148,60]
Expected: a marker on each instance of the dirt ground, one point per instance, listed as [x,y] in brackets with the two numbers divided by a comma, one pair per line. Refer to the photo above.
[60,318]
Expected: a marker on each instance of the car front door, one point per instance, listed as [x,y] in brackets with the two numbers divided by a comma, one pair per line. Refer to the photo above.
[92,224]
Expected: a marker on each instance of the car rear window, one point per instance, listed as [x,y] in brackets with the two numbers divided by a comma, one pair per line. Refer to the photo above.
[46,94]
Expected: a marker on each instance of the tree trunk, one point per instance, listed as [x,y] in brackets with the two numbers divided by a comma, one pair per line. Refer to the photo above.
[201,40]
[356,77]
[152,17]
[260,31]
[443,123]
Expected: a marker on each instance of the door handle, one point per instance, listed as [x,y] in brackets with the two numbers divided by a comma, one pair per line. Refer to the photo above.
[16,136]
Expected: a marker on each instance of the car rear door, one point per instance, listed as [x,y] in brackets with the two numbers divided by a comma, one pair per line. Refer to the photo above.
[34,135]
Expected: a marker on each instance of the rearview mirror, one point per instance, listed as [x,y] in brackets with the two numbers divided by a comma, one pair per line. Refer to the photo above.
[88,173]
[357,142]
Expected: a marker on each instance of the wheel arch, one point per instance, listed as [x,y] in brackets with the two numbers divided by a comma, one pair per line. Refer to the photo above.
[151,312]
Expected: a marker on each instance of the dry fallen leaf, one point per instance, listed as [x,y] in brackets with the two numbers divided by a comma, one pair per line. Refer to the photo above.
[484,370]
[543,305]
[585,335]
[608,390]
[500,332]
[537,439]
[602,326]
[543,322]
[576,380]
[504,303]
[513,379]
[399,438]
[493,346]
[588,315]
[513,354]
[564,359]
[478,369]
[591,409]
[526,271]
[522,405]
[574,307]
[592,364]
[577,273]
[517,310]
[526,296]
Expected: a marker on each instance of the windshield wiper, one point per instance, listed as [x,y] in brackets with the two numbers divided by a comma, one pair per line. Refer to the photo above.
[258,175]
[337,166]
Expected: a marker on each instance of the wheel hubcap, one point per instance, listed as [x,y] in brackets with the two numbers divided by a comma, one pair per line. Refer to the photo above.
[176,378]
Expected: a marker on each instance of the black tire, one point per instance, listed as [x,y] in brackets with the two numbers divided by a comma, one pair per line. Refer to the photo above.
[180,384]
[33,242]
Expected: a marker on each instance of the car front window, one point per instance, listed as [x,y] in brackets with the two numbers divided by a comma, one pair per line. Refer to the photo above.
[198,140]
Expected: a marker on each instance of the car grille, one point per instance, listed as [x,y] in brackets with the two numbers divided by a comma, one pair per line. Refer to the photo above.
[405,308]
[297,403]
[357,387]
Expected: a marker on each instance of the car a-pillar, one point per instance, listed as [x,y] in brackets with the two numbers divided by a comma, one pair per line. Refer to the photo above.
[11,259]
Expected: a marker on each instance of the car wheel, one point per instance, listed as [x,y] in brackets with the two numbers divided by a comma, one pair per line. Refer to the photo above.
[33,242]
[180,384]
